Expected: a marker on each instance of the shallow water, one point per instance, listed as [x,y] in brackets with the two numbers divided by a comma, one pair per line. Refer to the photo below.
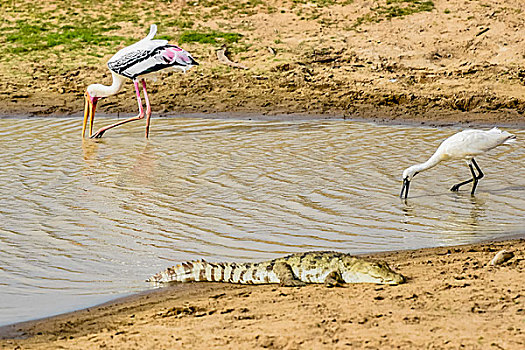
[84,222]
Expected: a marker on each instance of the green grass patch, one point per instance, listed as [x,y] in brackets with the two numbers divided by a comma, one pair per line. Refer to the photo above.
[388,9]
[324,3]
[400,8]
[180,23]
[38,36]
[212,37]
[228,4]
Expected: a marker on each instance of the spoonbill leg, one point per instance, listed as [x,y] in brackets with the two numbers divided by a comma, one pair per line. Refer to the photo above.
[475,178]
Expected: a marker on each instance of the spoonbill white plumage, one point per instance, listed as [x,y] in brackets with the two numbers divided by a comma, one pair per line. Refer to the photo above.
[463,145]
[134,62]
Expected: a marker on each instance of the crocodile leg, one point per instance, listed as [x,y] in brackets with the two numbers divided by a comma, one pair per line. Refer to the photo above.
[333,279]
[286,276]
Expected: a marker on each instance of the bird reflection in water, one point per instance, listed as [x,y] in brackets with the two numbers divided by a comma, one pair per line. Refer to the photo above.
[89,149]
[463,214]
[141,169]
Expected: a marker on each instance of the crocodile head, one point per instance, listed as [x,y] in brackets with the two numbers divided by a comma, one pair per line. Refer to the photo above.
[367,271]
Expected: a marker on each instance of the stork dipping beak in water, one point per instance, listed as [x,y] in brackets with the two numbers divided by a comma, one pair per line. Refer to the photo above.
[135,62]
[463,145]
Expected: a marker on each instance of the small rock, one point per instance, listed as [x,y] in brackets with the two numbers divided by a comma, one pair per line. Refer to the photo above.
[501,257]
[264,341]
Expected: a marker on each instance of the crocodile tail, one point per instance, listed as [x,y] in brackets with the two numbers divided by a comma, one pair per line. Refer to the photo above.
[196,271]
[186,272]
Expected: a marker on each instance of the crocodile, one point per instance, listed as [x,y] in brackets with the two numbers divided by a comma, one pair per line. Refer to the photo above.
[330,268]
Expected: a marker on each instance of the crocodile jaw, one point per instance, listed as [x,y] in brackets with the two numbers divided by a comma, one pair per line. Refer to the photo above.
[383,277]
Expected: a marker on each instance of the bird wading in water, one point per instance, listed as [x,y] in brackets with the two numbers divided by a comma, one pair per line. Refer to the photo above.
[144,58]
[463,145]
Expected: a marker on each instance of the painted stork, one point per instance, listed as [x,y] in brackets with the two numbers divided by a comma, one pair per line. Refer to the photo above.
[463,145]
[135,62]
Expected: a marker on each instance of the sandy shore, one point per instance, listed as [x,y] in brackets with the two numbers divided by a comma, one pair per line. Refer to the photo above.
[444,62]
[452,300]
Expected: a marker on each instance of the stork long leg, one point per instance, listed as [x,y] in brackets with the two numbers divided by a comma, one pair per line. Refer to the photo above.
[87,113]
[148,107]
[475,178]
[101,131]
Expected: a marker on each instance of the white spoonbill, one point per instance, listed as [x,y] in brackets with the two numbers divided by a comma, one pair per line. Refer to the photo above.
[463,145]
[134,62]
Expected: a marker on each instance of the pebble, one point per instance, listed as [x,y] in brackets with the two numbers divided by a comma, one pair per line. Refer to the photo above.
[501,257]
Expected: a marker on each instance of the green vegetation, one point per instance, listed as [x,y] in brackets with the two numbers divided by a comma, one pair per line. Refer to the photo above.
[324,3]
[400,8]
[388,9]
[211,37]
[320,3]
[231,7]
[226,4]
[34,37]
[180,23]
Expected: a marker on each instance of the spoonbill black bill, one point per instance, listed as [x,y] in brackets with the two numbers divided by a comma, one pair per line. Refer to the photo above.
[142,59]
[464,145]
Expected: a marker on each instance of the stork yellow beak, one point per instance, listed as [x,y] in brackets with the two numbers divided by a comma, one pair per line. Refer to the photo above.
[89,112]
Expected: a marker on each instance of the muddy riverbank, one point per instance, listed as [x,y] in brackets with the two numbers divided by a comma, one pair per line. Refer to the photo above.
[451,300]
[448,62]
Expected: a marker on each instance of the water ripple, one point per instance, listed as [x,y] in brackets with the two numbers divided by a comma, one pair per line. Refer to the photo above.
[86,219]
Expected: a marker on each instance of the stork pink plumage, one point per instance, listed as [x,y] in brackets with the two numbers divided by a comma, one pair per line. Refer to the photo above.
[144,58]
